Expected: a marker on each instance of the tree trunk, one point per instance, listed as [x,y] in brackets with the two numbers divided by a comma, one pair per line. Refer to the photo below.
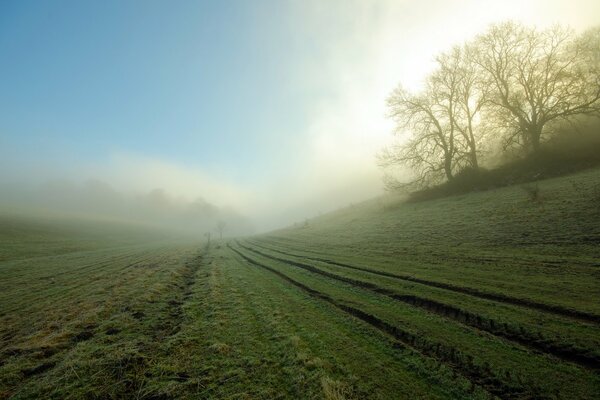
[535,140]
[474,162]
[533,135]
[448,169]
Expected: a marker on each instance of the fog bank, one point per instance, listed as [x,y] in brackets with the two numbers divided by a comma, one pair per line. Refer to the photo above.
[97,199]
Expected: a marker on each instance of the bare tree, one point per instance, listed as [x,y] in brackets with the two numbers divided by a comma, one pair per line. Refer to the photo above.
[431,150]
[512,80]
[536,77]
[457,85]
[589,48]
[443,121]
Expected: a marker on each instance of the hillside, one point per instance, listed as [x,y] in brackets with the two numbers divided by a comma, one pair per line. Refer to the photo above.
[466,238]
[484,295]
[514,270]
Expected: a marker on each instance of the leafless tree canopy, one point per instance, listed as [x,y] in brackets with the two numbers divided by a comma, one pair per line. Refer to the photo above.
[512,81]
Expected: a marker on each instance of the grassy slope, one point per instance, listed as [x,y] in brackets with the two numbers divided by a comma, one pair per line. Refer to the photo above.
[497,240]
[180,322]
[476,296]
[502,288]
[503,367]
[64,282]
[249,335]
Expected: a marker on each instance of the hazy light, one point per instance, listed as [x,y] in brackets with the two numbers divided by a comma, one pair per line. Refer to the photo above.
[364,49]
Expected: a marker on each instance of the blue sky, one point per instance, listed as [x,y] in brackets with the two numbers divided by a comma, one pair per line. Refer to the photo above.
[272,107]
[206,83]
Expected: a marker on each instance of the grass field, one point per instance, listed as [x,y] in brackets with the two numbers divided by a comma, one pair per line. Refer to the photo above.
[479,296]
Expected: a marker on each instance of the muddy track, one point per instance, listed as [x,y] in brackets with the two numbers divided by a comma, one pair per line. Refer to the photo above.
[549,308]
[512,333]
[588,266]
[503,385]
[171,324]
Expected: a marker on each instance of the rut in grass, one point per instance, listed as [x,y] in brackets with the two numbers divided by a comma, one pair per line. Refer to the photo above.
[549,308]
[139,367]
[503,385]
[171,323]
[534,341]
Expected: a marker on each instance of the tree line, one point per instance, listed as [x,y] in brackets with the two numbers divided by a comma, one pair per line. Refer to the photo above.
[505,89]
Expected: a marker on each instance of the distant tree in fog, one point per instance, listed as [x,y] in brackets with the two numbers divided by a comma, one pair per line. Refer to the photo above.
[221,228]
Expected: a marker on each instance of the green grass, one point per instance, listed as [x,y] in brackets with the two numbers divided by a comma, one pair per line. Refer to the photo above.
[475,296]
[498,241]
[517,369]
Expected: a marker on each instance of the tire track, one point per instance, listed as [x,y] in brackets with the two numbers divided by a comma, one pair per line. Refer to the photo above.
[522,337]
[506,386]
[549,308]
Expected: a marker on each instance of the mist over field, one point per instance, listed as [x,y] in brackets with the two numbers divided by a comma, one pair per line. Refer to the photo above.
[97,199]
[157,145]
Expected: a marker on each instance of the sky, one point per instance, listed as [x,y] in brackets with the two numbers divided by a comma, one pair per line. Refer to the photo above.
[274,109]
